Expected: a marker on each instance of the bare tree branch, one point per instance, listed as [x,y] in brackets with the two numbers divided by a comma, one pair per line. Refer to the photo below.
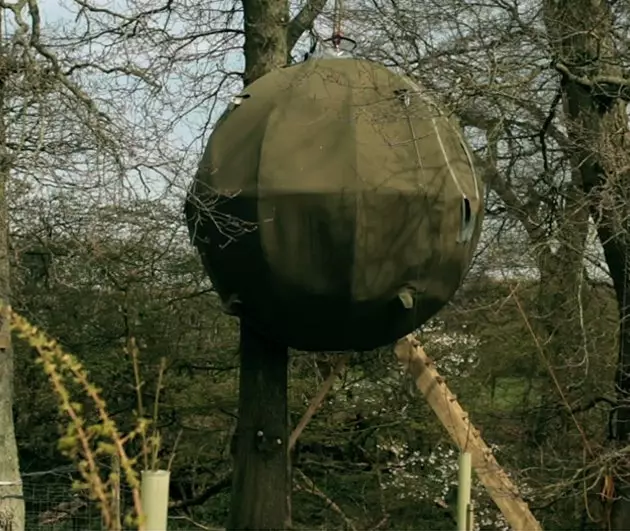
[317,400]
[303,21]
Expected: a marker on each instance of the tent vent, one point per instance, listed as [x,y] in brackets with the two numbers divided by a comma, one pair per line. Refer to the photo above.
[237,100]
[468,222]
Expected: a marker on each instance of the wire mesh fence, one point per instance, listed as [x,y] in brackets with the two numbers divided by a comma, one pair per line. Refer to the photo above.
[53,504]
[56,506]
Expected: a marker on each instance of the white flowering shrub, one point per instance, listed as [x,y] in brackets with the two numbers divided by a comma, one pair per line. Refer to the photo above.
[417,465]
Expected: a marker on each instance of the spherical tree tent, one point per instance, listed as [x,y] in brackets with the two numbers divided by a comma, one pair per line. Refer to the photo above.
[362,199]
[336,207]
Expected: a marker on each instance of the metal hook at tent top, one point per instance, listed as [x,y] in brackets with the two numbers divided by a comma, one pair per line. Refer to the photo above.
[337,35]
[337,46]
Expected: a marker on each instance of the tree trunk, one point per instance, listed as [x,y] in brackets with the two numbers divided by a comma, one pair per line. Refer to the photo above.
[581,36]
[261,486]
[11,499]
[266,25]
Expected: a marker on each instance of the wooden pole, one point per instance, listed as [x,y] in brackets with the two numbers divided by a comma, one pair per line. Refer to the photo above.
[444,404]
[261,484]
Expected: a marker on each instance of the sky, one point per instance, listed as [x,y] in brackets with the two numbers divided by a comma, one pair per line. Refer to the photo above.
[186,117]
[186,132]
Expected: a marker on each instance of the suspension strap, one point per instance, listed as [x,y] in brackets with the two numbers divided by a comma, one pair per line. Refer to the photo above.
[337,35]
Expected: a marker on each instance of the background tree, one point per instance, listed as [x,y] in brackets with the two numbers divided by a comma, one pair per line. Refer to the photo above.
[11,504]
[54,135]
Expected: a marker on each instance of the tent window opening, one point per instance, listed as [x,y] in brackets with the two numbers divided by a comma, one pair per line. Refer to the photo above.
[468,222]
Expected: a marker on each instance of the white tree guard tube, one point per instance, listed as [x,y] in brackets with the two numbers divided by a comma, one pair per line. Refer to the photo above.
[464,508]
[154,491]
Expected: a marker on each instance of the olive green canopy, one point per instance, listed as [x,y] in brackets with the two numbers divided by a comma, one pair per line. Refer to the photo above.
[335,206]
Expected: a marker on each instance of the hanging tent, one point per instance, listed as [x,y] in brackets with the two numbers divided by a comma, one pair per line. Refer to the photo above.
[357,201]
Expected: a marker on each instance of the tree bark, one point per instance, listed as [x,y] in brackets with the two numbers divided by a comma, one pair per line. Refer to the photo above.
[265,48]
[11,499]
[261,487]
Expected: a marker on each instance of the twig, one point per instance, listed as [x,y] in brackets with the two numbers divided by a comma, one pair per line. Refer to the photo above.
[156,439]
[554,377]
[175,445]
[196,524]
[317,400]
[380,523]
[592,403]
[221,485]
[132,349]
[311,488]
